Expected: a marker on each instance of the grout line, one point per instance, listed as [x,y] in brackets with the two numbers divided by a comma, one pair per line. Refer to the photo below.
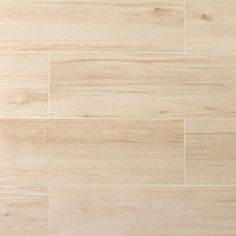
[124,185]
[115,51]
[111,118]
[84,118]
[184,25]
[87,118]
[184,153]
[49,81]
[49,212]
[25,52]
[24,185]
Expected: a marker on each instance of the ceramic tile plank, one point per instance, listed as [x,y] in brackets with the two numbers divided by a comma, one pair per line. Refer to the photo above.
[143,85]
[150,211]
[24,85]
[210,25]
[91,151]
[92,25]
[211,151]
[24,211]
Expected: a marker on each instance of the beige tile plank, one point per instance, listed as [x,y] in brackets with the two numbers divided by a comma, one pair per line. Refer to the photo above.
[133,25]
[24,85]
[91,151]
[23,211]
[210,25]
[150,211]
[143,85]
[211,151]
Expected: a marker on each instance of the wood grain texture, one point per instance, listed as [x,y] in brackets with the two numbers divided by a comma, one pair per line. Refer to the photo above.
[149,211]
[23,85]
[210,25]
[117,118]
[91,152]
[211,151]
[143,85]
[92,25]
[23,211]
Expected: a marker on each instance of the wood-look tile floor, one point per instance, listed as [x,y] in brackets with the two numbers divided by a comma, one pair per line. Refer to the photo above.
[118,118]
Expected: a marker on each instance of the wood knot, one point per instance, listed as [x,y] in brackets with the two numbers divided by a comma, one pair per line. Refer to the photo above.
[162,112]
[20,99]
[209,108]
[206,17]
[43,135]
[7,214]
[160,11]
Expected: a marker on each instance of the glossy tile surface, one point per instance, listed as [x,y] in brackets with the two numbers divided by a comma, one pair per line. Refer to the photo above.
[210,25]
[211,151]
[133,25]
[24,211]
[23,85]
[149,85]
[150,211]
[117,117]
[91,152]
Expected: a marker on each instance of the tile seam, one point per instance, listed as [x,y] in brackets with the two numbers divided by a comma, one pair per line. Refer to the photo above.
[184,26]
[184,151]
[49,82]
[104,118]
[49,211]
[115,51]
[121,185]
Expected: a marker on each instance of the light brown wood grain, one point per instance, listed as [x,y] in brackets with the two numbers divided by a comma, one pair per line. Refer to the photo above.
[211,151]
[150,211]
[142,85]
[117,118]
[23,85]
[23,211]
[210,25]
[91,152]
[92,25]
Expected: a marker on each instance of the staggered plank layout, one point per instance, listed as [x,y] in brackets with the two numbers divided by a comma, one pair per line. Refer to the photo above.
[118,118]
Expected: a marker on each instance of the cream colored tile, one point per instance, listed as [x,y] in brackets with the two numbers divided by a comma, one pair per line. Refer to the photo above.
[24,85]
[143,85]
[211,151]
[91,151]
[85,25]
[149,211]
[23,211]
[210,25]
